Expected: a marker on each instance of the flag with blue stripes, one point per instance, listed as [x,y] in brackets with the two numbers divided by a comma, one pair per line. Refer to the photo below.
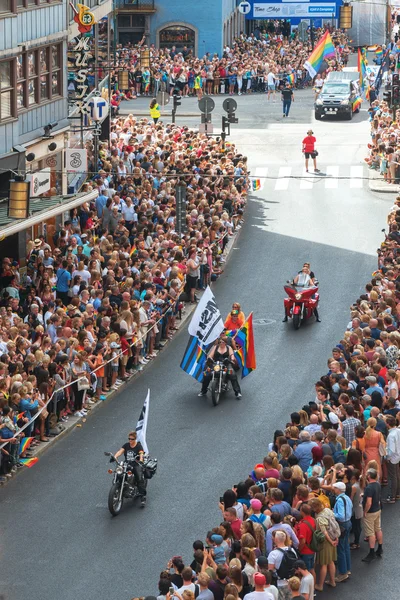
[194,359]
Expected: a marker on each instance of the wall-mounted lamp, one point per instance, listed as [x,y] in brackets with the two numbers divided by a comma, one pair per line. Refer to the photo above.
[52,146]
[30,157]
[18,198]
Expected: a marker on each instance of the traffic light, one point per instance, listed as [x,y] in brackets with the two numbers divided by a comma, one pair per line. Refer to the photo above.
[177,98]
[232,118]
[387,97]
[395,89]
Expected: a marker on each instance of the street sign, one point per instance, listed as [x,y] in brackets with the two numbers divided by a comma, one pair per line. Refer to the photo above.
[206,104]
[302,31]
[162,98]
[206,128]
[244,8]
[229,105]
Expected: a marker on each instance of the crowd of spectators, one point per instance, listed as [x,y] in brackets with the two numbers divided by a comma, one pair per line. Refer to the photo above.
[253,63]
[102,295]
[312,506]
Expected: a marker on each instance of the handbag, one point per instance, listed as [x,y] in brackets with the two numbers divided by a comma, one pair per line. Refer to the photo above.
[382,449]
[315,152]
[83,384]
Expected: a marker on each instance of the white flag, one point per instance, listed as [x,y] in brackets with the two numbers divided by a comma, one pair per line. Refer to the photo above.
[206,323]
[141,427]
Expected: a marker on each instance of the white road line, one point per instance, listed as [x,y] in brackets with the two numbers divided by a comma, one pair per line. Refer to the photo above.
[356,173]
[282,182]
[262,173]
[331,181]
[306,183]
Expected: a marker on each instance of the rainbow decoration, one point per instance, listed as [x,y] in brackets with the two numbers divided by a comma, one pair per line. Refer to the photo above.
[373,48]
[379,53]
[133,251]
[357,103]
[362,69]
[256,184]
[29,462]
[245,353]
[291,79]
[24,444]
[20,415]
[322,51]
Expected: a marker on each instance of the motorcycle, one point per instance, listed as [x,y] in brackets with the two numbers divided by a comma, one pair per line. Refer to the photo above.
[219,382]
[300,305]
[124,482]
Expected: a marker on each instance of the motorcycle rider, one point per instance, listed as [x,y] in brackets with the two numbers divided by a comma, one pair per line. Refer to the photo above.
[305,278]
[219,352]
[133,450]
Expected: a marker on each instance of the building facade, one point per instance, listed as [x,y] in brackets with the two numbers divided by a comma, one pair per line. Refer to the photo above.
[204,26]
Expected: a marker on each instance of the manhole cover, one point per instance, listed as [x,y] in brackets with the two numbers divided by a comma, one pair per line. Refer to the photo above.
[263,321]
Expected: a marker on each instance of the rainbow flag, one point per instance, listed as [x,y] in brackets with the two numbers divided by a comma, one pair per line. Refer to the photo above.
[372,48]
[245,352]
[20,415]
[133,251]
[24,444]
[379,53]
[322,51]
[362,69]
[357,103]
[29,462]
[256,184]
[291,79]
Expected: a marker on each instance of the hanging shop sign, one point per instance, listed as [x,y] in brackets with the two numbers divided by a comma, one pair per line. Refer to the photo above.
[82,52]
[83,17]
[40,183]
[76,160]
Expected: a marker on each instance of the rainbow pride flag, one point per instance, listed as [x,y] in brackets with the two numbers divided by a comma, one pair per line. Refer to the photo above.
[357,103]
[256,184]
[379,53]
[245,353]
[29,462]
[373,48]
[24,444]
[291,79]
[362,69]
[322,51]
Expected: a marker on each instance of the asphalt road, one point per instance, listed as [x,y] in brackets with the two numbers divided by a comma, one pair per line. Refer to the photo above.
[58,539]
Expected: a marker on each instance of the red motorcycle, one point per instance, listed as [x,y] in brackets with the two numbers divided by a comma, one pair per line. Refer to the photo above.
[300,305]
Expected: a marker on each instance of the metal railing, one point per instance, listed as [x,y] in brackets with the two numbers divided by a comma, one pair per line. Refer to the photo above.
[139,5]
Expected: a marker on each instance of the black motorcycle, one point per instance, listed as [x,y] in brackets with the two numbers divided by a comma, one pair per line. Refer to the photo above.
[124,482]
[219,381]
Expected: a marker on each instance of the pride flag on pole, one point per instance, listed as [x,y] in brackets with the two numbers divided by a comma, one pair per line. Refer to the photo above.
[256,184]
[291,79]
[362,69]
[245,353]
[322,51]
[24,444]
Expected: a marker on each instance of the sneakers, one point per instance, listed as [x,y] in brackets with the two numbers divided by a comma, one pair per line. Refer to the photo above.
[341,578]
[389,500]
[202,394]
[78,413]
[238,395]
[143,361]
[369,558]
[143,502]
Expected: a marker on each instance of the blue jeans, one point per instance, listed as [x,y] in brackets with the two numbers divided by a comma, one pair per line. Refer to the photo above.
[309,559]
[286,107]
[343,549]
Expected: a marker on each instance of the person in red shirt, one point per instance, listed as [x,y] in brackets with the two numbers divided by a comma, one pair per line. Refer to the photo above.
[230,516]
[304,531]
[309,149]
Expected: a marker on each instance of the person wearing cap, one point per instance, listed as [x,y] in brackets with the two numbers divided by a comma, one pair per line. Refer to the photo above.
[233,321]
[343,510]
[309,150]
[256,516]
[218,551]
[373,386]
[259,593]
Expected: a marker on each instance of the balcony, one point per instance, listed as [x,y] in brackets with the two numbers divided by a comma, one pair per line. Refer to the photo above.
[137,6]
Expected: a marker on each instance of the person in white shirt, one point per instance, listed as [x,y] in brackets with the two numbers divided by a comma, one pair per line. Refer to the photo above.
[259,591]
[393,460]
[271,85]
[187,575]
[275,560]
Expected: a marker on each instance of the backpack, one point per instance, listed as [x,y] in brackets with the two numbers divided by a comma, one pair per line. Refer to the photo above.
[333,528]
[286,569]
[322,498]
[318,538]
[337,453]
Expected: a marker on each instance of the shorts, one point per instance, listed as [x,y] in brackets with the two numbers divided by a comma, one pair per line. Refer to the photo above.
[372,523]
[124,359]
[115,368]
[191,282]
[308,154]
[271,88]
[309,559]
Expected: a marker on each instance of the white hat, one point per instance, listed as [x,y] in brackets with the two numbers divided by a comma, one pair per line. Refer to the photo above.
[339,485]
[334,419]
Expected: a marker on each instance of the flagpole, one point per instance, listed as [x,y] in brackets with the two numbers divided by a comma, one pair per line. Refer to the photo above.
[232,338]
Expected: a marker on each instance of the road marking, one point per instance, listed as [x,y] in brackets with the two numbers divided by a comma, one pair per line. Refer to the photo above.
[306,182]
[282,182]
[356,173]
[332,182]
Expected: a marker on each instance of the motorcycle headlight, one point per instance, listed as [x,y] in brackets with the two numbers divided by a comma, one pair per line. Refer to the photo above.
[119,470]
[319,101]
[298,296]
[217,368]
[345,102]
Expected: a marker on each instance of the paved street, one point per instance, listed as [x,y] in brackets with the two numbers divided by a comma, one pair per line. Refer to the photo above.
[61,541]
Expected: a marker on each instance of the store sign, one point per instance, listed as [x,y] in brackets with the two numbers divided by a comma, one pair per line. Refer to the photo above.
[98,108]
[82,55]
[83,17]
[40,183]
[288,10]
[76,160]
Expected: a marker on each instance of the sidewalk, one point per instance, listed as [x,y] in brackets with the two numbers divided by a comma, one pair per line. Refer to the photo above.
[73,421]
[378,184]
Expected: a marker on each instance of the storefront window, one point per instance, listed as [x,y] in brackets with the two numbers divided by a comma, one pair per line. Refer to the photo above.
[177,35]
[7,90]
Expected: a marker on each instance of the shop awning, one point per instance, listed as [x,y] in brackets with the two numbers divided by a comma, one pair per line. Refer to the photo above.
[41,209]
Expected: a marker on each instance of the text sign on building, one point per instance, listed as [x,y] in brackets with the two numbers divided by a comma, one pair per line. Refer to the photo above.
[40,183]
[288,10]
[76,160]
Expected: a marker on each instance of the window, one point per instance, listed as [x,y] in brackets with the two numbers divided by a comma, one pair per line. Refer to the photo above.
[7,6]
[38,76]
[7,90]
[177,35]
[21,4]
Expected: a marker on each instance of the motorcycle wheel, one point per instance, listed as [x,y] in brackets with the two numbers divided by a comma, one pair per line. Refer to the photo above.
[114,503]
[297,321]
[215,393]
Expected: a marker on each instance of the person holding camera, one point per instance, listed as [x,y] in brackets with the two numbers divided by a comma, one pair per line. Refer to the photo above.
[309,150]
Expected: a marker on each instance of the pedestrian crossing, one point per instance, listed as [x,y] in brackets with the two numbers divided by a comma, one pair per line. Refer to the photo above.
[331,177]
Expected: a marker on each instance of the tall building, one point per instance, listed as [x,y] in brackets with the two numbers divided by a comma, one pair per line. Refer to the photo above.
[202,27]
